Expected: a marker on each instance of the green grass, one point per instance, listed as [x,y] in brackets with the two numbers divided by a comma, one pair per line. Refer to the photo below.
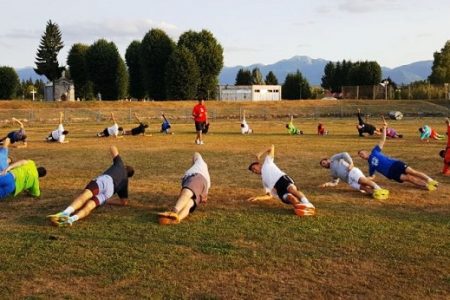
[229,248]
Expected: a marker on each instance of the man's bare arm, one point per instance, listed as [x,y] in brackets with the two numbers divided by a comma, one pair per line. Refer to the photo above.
[114,151]
[117,201]
[18,122]
[15,165]
[265,197]
[383,135]
[270,151]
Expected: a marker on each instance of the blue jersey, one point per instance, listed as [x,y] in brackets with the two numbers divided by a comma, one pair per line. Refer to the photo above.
[379,162]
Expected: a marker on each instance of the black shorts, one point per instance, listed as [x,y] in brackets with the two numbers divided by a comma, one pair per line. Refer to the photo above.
[282,187]
[199,126]
[105,132]
[396,170]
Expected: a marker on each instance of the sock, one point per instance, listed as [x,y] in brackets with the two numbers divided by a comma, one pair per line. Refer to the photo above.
[69,210]
[73,218]
[304,200]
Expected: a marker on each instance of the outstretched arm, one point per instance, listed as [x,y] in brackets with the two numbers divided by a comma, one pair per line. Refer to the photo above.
[117,201]
[270,152]
[137,118]
[334,182]
[265,197]
[61,116]
[18,122]
[114,151]
[383,135]
[15,165]
[113,118]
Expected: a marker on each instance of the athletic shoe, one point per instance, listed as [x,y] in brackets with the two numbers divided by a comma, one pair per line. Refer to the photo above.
[380,194]
[169,217]
[305,212]
[432,185]
[201,143]
[197,142]
[55,218]
[63,222]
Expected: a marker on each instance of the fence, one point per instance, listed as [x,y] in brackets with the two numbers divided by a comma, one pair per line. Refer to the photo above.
[220,111]
[416,91]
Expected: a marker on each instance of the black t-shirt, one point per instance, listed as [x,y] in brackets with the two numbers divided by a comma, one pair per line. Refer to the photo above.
[138,130]
[120,177]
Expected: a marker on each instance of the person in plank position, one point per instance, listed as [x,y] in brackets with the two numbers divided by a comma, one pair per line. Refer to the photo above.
[394,169]
[292,130]
[98,192]
[58,135]
[445,154]
[113,130]
[16,136]
[195,185]
[137,130]
[245,129]
[342,168]
[277,183]
[364,127]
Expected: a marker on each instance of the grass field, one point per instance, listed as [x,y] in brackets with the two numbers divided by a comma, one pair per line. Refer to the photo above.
[229,248]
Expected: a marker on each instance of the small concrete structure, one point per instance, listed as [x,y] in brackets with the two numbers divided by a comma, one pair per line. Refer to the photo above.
[64,90]
[249,92]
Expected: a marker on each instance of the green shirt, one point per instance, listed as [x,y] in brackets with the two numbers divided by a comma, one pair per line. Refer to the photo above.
[292,129]
[26,178]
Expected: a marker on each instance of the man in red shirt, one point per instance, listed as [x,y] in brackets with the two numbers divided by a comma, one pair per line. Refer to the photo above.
[445,154]
[200,115]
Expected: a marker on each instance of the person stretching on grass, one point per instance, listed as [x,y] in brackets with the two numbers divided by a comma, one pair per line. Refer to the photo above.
[342,168]
[364,127]
[98,192]
[22,175]
[394,169]
[165,125]
[59,134]
[445,154]
[17,136]
[427,133]
[321,129]
[113,130]
[195,185]
[291,127]
[277,183]
[391,132]
[245,129]
[137,130]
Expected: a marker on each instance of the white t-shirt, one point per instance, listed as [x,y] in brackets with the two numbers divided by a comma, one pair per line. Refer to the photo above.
[270,174]
[199,167]
[244,127]
[58,135]
[114,130]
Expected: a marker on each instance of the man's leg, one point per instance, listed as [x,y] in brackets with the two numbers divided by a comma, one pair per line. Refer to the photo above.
[184,203]
[420,175]
[298,195]
[84,211]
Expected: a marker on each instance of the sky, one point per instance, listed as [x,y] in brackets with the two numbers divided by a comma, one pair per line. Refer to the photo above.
[391,32]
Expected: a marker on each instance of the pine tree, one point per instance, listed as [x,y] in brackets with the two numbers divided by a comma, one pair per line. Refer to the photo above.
[46,57]
[271,79]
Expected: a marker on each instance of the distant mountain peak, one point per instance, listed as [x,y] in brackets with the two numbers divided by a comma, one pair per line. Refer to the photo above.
[312,70]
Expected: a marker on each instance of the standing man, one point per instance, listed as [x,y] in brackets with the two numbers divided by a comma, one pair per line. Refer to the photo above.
[17,135]
[200,115]
[60,133]
[394,169]
[342,168]
[277,183]
[194,190]
[98,192]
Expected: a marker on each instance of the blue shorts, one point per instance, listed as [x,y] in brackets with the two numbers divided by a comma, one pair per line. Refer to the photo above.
[3,158]
[7,185]
[397,169]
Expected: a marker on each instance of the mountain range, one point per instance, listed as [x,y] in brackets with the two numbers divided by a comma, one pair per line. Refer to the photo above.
[312,70]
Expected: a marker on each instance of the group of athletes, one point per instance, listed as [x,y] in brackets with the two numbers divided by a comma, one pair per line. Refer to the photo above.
[23,175]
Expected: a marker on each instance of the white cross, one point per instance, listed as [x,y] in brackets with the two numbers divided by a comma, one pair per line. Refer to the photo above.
[33,92]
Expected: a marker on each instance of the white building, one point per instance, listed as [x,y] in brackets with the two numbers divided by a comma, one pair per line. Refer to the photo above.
[249,92]
[64,90]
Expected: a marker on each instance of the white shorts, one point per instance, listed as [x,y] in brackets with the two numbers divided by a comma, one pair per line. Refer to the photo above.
[353,177]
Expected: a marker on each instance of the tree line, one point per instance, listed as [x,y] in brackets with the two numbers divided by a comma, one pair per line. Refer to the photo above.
[159,68]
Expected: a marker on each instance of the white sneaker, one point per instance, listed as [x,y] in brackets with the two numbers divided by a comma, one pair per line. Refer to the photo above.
[201,143]
[197,142]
